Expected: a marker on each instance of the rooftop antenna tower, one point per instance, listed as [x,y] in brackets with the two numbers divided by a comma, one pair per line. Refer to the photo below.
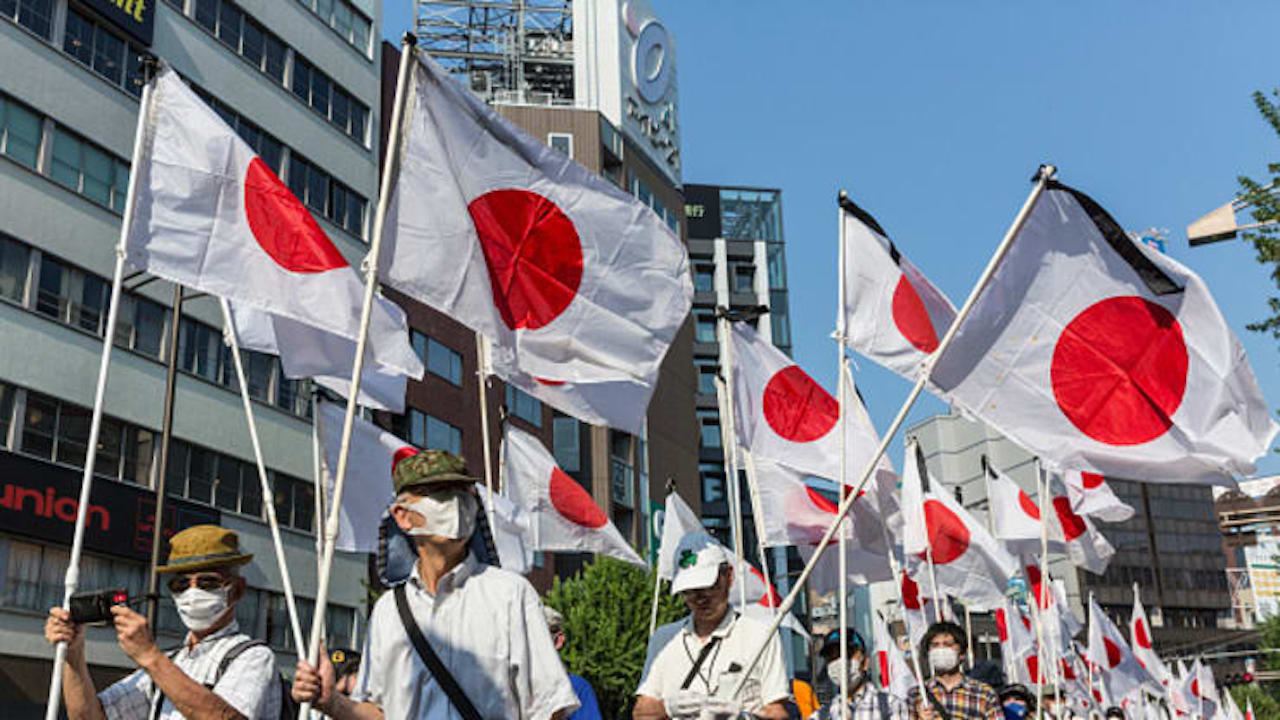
[506,51]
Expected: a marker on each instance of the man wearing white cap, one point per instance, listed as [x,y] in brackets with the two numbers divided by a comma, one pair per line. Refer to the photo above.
[693,665]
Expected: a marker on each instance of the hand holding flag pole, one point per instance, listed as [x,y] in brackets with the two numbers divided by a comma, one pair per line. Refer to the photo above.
[1043,175]
[408,56]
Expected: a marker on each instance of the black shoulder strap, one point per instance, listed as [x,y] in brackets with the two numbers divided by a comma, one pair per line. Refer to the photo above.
[441,673]
[937,704]
[231,656]
[697,664]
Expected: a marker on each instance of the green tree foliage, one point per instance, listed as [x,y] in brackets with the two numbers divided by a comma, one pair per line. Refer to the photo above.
[1266,208]
[1265,704]
[606,618]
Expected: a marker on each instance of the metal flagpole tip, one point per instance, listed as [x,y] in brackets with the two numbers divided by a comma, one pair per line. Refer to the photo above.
[409,39]
[1045,171]
[842,197]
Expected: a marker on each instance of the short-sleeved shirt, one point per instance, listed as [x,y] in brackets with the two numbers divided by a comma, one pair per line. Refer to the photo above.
[969,700]
[250,684]
[589,709]
[869,703]
[674,649]
[487,626]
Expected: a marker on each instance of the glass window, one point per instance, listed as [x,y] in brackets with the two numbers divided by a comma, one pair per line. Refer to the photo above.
[524,406]
[207,14]
[66,159]
[320,86]
[108,55]
[360,26]
[443,361]
[252,38]
[139,448]
[77,41]
[14,261]
[250,491]
[226,484]
[200,474]
[229,25]
[781,324]
[324,8]
[709,424]
[20,131]
[96,169]
[713,482]
[359,118]
[708,368]
[566,443]
[704,327]
[301,78]
[199,349]
[34,15]
[433,433]
[150,324]
[39,424]
[7,394]
[304,505]
[341,113]
[282,490]
[92,315]
[561,142]
[342,20]
[51,294]
[274,57]
[777,260]
[73,434]
[317,190]
[704,278]
[110,441]
[744,278]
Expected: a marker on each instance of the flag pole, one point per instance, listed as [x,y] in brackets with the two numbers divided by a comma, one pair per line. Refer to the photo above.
[319,470]
[653,612]
[842,405]
[268,495]
[1043,175]
[1041,633]
[162,472]
[754,489]
[72,579]
[482,375]
[724,385]
[389,169]
[896,569]
[1087,660]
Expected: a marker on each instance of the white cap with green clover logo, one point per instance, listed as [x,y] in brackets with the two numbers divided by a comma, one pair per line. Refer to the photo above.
[698,561]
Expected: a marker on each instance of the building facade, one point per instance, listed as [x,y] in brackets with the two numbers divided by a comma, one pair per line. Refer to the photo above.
[299,82]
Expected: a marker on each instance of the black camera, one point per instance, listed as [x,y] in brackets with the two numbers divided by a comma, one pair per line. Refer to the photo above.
[95,607]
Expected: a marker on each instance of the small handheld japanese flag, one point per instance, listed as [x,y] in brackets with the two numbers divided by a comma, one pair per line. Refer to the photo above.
[894,315]
[562,515]
[1122,673]
[891,669]
[1143,647]
[1091,495]
[580,281]
[1100,354]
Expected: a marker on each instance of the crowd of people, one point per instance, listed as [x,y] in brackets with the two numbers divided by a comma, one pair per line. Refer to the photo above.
[464,639]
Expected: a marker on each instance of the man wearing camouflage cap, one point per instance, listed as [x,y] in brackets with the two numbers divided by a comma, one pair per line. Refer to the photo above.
[484,624]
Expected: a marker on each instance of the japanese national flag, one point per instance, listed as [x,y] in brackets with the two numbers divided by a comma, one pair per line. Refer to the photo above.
[1143,647]
[968,562]
[784,416]
[562,515]
[678,520]
[373,456]
[577,280]
[920,610]
[1121,671]
[1017,642]
[1015,517]
[210,215]
[894,315]
[1100,354]
[1091,495]
[309,352]
[1248,709]
[890,667]
[1197,693]
[1085,546]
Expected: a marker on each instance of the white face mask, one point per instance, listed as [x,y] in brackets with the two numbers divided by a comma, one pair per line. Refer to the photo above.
[836,670]
[944,659]
[450,514]
[199,609]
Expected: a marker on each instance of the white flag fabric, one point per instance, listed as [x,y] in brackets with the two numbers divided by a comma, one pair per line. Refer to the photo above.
[1091,495]
[620,404]
[969,563]
[678,520]
[577,280]
[1099,354]
[562,515]
[1018,646]
[891,667]
[893,314]
[919,609]
[1015,517]
[309,352]
[373,456]
[1232,710]
[209,214]
[1143,647]
[1121,671]
[512,536]
[1197,693]
[783,415]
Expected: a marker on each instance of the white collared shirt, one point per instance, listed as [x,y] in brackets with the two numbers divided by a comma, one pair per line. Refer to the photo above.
[250,684]
[674,648]
[487,626]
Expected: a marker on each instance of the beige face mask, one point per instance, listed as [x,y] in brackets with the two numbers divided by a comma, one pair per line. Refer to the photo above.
[450,514]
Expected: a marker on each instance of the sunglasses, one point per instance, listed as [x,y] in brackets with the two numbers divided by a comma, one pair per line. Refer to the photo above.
[208,581]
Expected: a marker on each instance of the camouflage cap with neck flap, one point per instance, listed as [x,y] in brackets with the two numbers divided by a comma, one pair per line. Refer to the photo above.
[429,467]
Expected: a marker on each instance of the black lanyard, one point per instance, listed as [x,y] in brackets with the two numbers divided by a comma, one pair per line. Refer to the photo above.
[696,671]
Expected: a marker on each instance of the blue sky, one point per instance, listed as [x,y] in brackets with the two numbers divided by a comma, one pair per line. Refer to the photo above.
[933,115]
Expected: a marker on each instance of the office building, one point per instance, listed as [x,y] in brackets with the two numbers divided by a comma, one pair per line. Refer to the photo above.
[299,82]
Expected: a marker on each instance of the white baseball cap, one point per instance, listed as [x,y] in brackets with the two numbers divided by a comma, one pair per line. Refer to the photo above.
[698,561]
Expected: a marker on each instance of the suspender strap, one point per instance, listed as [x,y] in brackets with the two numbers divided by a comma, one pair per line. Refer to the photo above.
[697,664]
[937,704]
[441,673]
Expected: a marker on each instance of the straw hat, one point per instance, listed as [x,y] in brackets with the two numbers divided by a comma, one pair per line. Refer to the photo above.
[201,547]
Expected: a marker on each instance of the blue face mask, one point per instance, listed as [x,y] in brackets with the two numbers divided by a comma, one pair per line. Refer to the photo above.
[1015,711]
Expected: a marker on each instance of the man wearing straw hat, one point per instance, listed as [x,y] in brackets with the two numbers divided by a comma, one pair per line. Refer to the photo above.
[458,639]
[219,672]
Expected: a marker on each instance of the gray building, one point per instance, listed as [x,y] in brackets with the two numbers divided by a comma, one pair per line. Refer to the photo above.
[299,81]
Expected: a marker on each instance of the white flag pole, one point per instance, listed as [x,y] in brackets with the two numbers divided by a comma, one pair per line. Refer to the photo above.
[72,579]
[653,613]
[842,588]
[389,170]
[268,495]
[1039,602]
[320,471]
[906,624]
[1043,175]
[728,442]
[754,488]
[482,377]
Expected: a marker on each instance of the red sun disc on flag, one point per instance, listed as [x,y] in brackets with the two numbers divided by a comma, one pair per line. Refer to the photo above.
[1033,666]
[1091,480]
[1140,635]
[1072,524]
[573,503]
[533,254]
[282,226]
[882,658]
[910,593]
[402,453]
[1002,625]
[948,537]
[1113,652]
[912,318]
[819,501]
[797,408]
[1119,370]
[1195,687]
[1068,672]
[771,598]
[1028,507]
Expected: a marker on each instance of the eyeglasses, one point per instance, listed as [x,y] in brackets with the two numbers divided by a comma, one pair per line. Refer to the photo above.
[206,581]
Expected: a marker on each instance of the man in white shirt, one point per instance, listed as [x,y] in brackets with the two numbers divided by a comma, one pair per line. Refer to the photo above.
[693,665]
[219,672]
[485,624]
